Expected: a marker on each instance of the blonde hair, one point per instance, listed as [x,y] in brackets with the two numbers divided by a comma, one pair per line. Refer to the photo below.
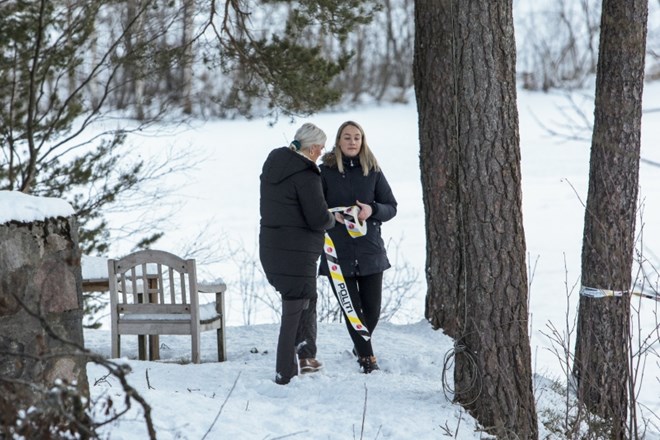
[367,159]
[306,136]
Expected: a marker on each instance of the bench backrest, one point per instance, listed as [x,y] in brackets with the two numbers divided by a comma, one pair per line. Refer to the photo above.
[153,282]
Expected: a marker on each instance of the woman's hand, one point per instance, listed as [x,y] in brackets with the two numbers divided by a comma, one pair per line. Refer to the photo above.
[365,211]
[339,217]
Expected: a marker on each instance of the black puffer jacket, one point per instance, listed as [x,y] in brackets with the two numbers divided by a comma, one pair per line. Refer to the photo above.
[362,255]
[294,216]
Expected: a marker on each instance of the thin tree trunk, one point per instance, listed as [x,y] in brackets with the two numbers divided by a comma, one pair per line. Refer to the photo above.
[134,40]
[601,352]
[470,159]
[188,55]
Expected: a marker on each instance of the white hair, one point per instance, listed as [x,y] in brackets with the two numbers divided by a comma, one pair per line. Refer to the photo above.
[308,135]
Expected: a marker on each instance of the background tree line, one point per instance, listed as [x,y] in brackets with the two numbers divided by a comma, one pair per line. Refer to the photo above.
[69,68]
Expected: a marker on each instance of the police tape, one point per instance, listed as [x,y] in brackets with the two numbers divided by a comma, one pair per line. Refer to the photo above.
[354,227]
[341,290]
[593,292]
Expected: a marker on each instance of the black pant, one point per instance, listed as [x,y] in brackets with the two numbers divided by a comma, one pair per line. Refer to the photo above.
[366,293]
[306,335]
[286,364]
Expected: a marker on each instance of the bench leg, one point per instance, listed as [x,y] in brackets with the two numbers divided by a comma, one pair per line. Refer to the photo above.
[196,346]
[154,347]
[142,347]
[222,343]
[115,344]
[222,353]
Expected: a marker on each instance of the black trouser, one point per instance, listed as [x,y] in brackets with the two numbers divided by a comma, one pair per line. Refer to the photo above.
[366,295]
[286,364]
[306,335]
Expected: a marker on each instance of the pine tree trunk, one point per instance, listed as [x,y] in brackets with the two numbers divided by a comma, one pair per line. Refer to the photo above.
[602,350]
[434,75]
[470,159]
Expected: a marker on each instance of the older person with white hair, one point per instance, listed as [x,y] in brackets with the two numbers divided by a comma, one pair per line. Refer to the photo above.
[294,217]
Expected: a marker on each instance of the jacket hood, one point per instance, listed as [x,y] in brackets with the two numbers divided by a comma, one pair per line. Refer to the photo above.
[329,160]
[282,163]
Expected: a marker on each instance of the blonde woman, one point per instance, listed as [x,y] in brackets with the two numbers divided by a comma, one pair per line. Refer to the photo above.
[351,176]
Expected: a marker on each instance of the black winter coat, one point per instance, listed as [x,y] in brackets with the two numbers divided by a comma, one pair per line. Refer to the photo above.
[294,216]
[362,255]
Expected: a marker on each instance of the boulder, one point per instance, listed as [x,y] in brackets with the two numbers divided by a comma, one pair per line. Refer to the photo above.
[41,307]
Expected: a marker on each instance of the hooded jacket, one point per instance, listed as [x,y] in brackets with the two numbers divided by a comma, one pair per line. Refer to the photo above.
[294,216]
[364,255]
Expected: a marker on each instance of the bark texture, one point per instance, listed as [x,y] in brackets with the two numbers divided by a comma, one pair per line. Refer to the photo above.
[602,350]
[470,164]
[40,293]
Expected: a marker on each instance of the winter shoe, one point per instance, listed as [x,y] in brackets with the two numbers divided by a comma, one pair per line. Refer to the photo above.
[281,380]
[310,365]
[368,364]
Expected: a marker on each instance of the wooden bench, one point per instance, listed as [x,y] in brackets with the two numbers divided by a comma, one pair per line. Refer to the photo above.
[156,293]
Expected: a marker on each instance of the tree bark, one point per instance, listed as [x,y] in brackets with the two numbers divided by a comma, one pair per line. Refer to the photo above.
[433,70]
[602,350]
[464,73]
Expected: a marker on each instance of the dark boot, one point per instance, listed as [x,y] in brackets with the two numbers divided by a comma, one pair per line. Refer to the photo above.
[368,364]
